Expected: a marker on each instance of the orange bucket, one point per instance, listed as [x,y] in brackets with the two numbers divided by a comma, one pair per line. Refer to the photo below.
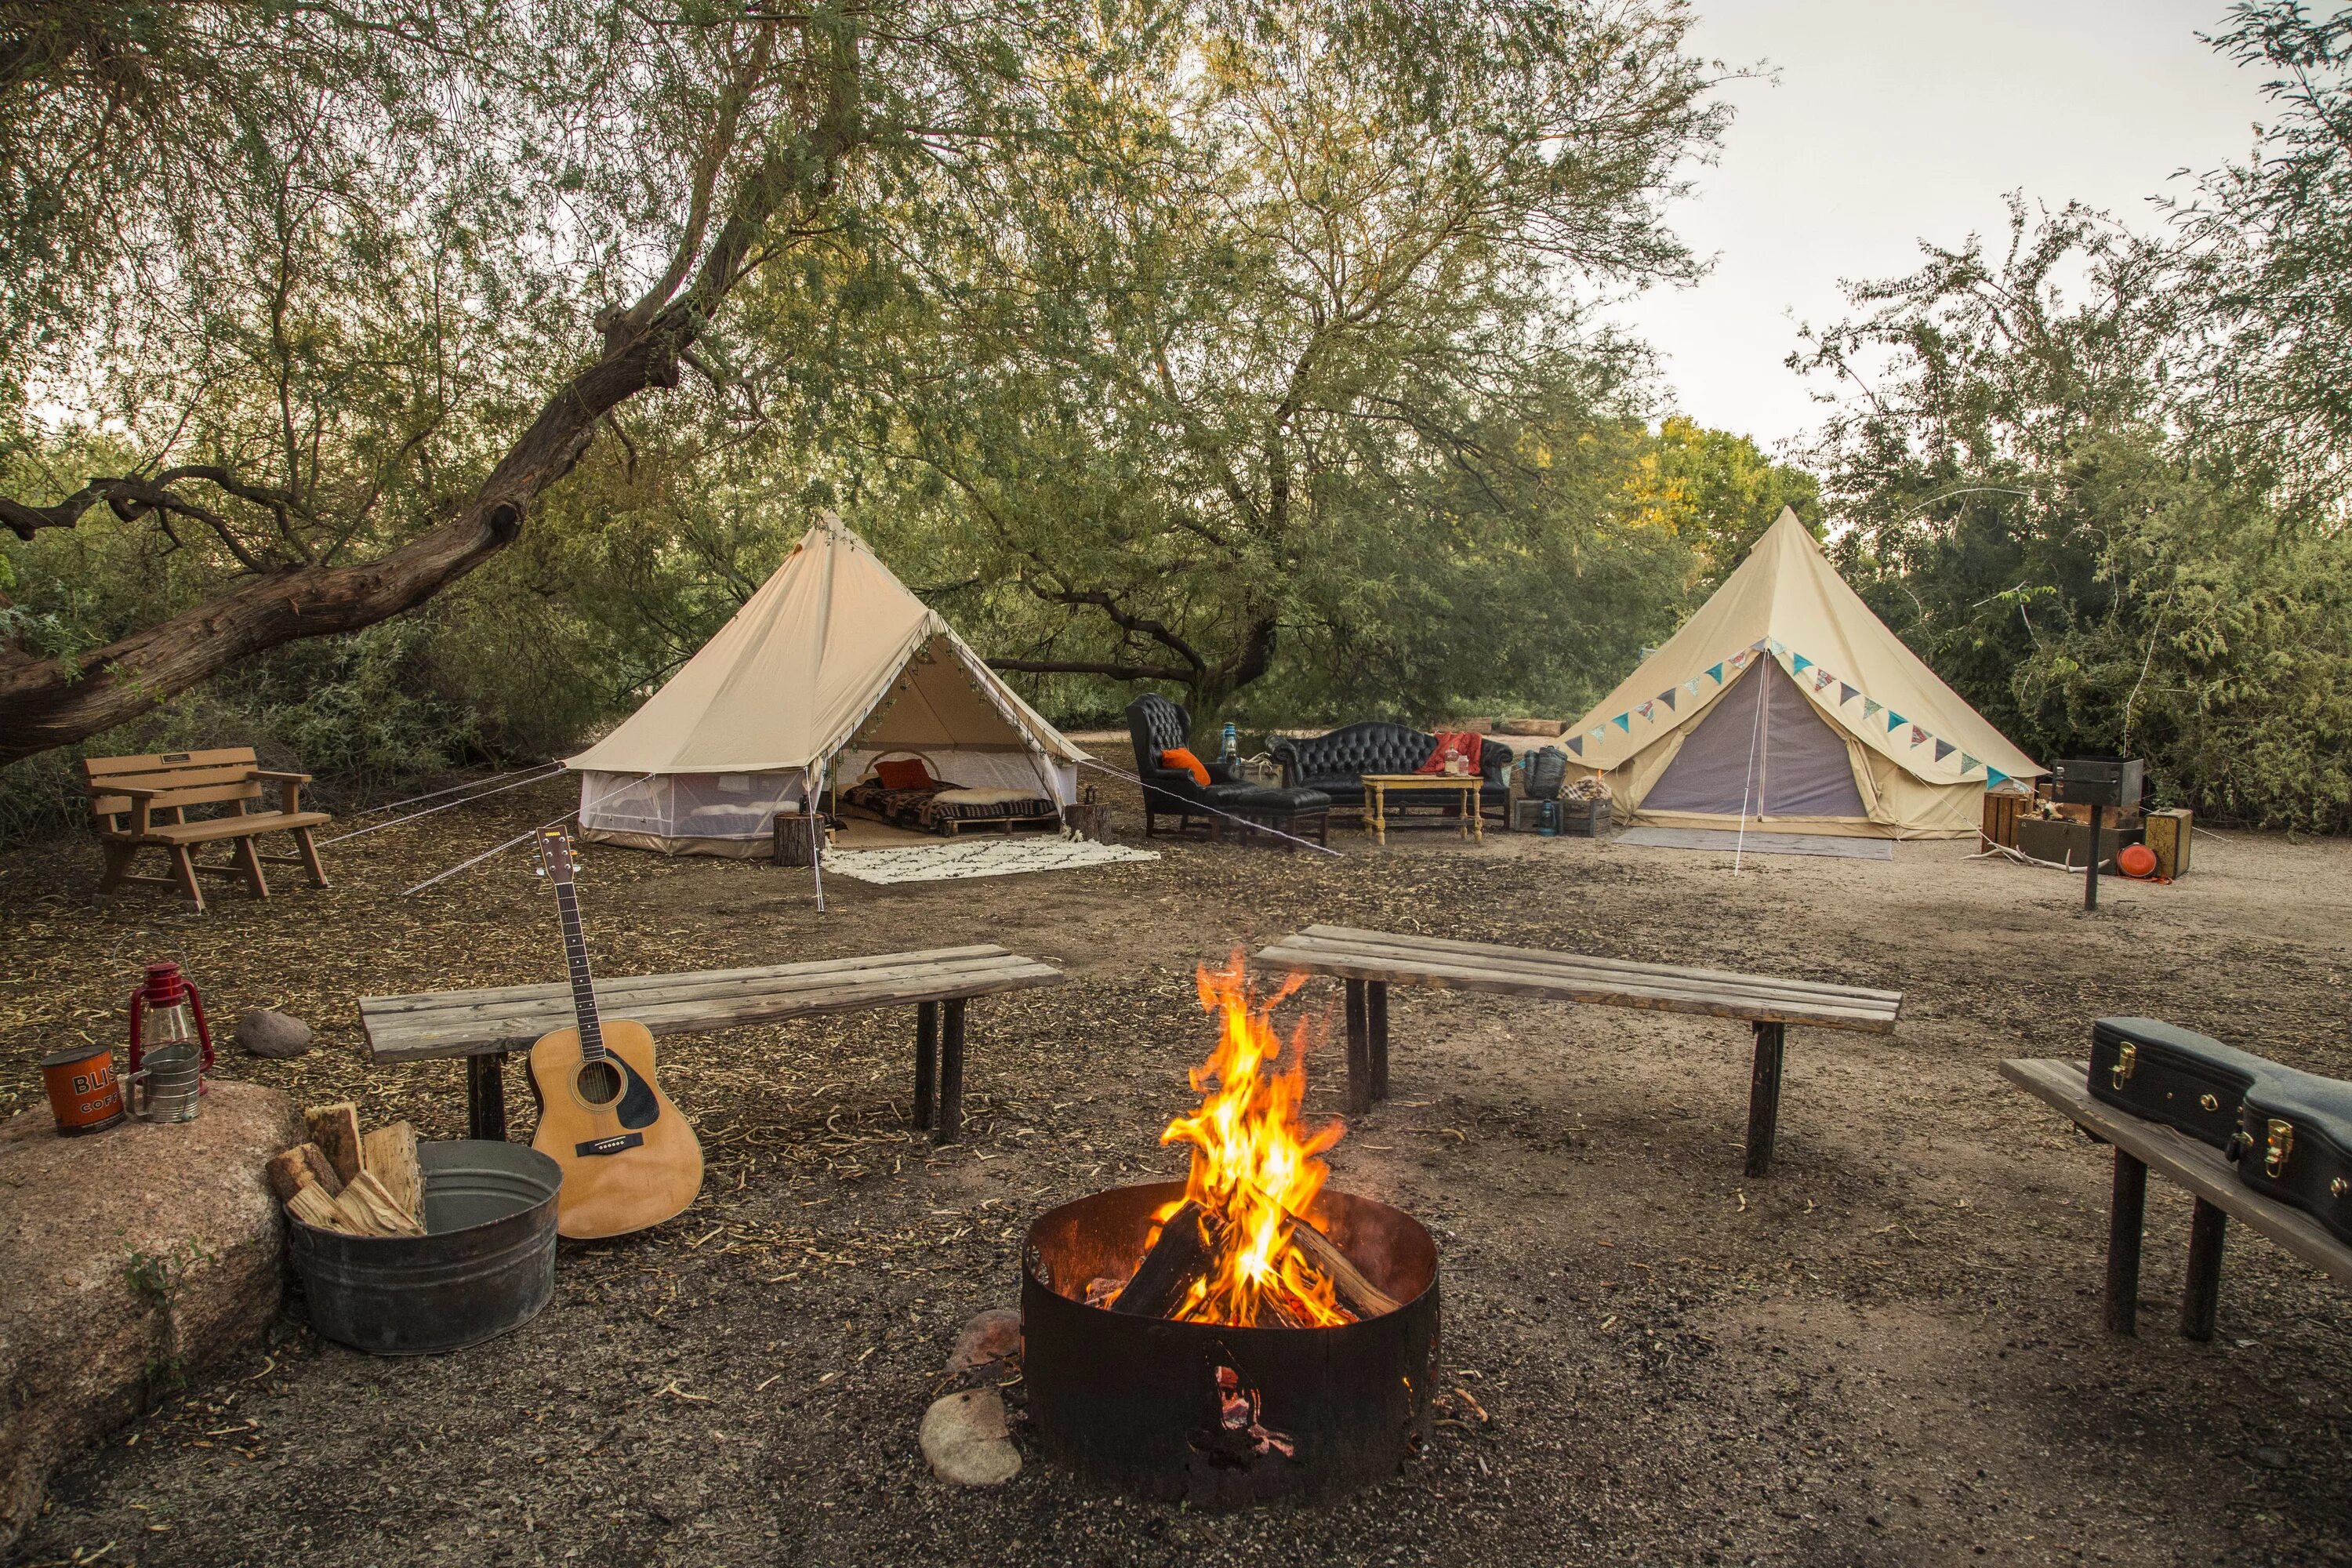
[83,1091]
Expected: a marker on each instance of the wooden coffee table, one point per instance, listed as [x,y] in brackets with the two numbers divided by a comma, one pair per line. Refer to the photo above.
[1379,786]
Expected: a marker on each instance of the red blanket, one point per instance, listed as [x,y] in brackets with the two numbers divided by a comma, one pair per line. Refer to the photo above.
[1463,744]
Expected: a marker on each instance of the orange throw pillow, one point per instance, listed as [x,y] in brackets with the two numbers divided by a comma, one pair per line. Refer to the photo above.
[1183,757]
[907,774]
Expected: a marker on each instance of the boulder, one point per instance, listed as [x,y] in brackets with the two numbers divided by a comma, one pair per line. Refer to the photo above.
[965,1440]
[267,1033]
[991,1337]
[136,1256]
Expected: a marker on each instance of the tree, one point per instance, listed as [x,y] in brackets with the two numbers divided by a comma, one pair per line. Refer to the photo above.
[1718,491]
[376,274]
[1287,347]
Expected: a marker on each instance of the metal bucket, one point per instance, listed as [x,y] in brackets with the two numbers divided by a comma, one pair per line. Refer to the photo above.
[485,1264]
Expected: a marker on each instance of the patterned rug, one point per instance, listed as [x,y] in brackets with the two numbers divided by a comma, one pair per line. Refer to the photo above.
[1760,843]
[958,857]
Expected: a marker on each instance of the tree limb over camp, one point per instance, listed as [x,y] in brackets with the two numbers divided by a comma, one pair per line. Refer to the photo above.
[339,328]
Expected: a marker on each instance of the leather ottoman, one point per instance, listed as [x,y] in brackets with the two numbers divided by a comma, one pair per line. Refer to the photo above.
[1301,813]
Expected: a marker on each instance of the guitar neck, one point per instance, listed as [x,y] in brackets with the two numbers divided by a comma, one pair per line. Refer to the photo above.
[583,989]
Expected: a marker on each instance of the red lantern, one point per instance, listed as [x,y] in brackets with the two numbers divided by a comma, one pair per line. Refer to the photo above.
[167,1009]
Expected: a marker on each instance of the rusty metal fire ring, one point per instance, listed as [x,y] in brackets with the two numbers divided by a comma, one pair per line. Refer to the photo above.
[1220,1417]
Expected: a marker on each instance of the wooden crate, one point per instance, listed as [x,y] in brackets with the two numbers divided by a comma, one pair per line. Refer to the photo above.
[2168,836]
[2001,813]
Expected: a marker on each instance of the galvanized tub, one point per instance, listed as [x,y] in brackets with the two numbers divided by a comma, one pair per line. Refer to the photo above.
[485,1264]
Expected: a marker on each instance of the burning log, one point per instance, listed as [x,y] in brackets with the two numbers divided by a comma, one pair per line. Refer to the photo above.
[1356,1292]
[1180,1256]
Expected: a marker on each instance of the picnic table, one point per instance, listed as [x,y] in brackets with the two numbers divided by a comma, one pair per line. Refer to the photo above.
[2141,1146]
[1369,961]
[484,1026]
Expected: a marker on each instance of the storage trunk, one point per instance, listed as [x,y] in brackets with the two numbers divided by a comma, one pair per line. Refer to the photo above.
[2069,843]
[2168,836]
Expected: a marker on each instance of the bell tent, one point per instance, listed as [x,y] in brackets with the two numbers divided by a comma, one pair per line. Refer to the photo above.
[1784,704]
[831,666]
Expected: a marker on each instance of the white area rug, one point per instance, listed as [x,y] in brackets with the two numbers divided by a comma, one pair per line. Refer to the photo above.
[1761,843]
[975,858]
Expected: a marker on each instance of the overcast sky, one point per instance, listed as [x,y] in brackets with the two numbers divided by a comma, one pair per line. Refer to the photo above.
[1891,120]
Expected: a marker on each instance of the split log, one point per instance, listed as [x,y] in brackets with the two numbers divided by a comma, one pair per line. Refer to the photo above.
[372,1210]
[389,1154]
[312,1206]
[335,1129]
[305,1164]
[1179,1256]
[1349,1283]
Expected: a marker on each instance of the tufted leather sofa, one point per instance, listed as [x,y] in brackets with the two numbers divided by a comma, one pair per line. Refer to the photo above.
[1155,725]
[1337,762]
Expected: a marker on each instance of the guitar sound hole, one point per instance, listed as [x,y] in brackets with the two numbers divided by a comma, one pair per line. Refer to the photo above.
[599,1083]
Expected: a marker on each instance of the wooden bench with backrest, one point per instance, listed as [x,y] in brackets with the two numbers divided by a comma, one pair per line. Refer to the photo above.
[484,1026]
[1370,961]
[143,803]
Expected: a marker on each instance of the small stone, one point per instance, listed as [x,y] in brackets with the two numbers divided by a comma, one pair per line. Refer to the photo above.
[964,1439]
[993,1336]
[265,1033]
[2270,1458]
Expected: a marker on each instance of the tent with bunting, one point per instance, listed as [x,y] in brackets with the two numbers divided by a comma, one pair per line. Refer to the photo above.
[1784,704]
[831,666]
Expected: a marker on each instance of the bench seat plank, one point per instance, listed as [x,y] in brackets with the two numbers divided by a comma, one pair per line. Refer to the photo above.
[465,1022]
[2197,1166]
[1351,934]
[213,829]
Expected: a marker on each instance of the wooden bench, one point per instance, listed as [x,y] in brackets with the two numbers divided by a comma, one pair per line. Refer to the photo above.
[484,1026]
[143,803]
[2200,1167]
[1370,961]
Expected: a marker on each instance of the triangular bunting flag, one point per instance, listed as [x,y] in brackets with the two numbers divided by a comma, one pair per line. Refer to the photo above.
[1917,735]
[1600,731]
[1869,709]
[1717,673]
[1847,694]
[1760,644]
[1821,679]
[1995,777]
[1667,697]
[1799,665]
[1646,709]
[1779,647]
[1944,749]
[1968,762]
[1623,721]
[1691,686]
[1576,745]
[1894,720]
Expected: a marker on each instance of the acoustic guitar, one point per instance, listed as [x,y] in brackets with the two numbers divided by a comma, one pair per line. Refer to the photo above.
[630,1160]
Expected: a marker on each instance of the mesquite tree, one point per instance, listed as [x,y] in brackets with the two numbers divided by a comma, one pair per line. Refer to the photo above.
[347,286]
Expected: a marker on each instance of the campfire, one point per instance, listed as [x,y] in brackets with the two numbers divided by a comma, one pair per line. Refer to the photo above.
[1235,1248]
[1246,1333]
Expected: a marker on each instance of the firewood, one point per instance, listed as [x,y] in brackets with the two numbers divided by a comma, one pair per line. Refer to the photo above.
[302,1165]
[389,1154]
[1356,1292]
[364,1197]
[335,1129]
[1179,1256]
[312,1205]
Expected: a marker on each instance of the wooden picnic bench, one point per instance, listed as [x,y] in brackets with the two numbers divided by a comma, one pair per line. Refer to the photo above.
[484,1026]
[1371,961]
[2141,1146]
[143,803]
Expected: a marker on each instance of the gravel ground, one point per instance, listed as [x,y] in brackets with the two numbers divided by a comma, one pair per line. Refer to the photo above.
[1887,1352]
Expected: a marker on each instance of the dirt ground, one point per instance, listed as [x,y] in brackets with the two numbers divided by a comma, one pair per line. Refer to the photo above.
[1888,1352]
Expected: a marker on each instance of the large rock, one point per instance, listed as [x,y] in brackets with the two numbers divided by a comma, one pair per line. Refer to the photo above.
[134,1257]
[265,1032]
[964,1439]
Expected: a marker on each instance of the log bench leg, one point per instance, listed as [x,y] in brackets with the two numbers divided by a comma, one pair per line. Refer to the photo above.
[1764,1097]
[1359,1050]
[926,1060]
[2126,1219]
[486,1096]
[248,860]
[1376,1027]
[307,853]
[951,1074]
[2202,1299]
[184,868]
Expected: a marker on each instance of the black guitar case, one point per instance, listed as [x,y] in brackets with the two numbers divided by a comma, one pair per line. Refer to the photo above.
[2289,1131]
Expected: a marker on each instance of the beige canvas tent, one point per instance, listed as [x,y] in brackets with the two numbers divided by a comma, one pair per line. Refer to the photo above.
[831,665]
[1785,704]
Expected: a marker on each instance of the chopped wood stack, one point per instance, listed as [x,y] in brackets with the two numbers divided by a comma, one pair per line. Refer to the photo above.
[342,1180]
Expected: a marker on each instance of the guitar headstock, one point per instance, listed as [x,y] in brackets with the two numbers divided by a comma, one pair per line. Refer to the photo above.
[557,859]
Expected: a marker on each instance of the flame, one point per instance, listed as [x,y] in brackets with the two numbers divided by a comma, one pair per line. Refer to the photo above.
[1254,1163]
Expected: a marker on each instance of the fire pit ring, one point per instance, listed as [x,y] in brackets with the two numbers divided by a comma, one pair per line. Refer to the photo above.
[1221,1417]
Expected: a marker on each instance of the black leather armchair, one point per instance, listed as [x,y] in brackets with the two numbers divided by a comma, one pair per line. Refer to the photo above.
[1155,725]
[1335,763]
